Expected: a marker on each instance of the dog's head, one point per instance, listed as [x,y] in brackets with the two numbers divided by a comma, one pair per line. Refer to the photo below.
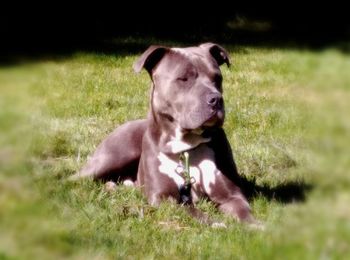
[187,85]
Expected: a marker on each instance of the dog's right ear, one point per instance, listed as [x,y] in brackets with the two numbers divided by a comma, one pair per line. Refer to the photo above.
[150,58]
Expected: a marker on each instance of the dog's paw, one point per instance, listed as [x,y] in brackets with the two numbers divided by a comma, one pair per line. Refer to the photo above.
[110,186]
[128,183]
[218,225]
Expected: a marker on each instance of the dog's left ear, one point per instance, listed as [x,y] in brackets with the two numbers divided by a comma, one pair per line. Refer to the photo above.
[218,52]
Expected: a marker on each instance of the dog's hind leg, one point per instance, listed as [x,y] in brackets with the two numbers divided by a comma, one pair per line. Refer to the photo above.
[117,156]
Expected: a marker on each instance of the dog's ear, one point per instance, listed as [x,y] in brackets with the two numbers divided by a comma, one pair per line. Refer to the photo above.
[150,58]
[218,52]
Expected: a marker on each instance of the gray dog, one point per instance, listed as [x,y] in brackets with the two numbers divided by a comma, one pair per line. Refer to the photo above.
[185,118]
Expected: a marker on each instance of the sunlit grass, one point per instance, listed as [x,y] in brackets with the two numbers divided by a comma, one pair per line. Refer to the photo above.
[288,123]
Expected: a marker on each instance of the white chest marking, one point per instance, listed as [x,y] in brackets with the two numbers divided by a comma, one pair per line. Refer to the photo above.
[168,167]
[202,169]
[180,143]
[209,173]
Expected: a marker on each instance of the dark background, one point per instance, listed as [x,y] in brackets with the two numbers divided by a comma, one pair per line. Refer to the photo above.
[37,29]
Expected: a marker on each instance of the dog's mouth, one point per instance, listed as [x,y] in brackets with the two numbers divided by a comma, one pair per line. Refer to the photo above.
[214,120]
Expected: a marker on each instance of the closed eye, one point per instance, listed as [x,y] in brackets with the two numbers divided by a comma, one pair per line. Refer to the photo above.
[184,79]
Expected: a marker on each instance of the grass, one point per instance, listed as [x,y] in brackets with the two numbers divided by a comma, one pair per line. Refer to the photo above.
[288,123]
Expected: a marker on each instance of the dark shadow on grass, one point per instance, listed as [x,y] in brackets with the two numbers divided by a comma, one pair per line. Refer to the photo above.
[32,32]
[48,51]
[37,46]
[284,193]
[137,43]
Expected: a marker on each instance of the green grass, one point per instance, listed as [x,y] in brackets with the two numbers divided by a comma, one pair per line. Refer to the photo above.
[287,120]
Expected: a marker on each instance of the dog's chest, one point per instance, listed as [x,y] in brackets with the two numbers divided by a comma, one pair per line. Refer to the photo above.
[203,170]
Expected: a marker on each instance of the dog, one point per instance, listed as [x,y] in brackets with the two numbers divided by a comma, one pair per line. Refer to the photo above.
[185,117]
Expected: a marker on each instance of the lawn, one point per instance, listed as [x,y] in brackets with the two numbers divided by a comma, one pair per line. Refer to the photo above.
[288,123]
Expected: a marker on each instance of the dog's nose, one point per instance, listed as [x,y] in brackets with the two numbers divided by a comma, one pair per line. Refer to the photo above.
[215,100]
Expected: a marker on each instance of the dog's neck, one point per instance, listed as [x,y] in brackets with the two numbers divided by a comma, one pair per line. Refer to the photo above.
[181,142]
[172,139]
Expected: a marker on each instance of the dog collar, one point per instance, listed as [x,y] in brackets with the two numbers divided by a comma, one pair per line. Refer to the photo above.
[183,169]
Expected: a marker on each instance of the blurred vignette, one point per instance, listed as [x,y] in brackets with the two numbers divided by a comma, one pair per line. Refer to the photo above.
[287,97]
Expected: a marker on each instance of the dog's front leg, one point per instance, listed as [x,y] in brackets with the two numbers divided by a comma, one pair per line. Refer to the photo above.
[229,199]
[235,205]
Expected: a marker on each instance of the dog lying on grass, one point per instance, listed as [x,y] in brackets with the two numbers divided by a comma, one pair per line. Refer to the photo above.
[180,151]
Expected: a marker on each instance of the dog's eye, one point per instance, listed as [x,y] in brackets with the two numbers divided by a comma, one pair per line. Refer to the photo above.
[184,79]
